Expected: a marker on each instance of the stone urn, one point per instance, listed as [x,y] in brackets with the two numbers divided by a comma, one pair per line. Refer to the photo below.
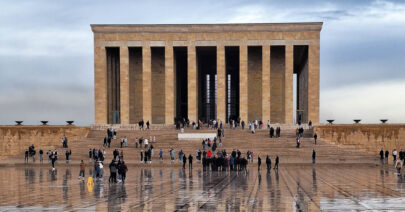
[330,121]
[44,122]
[383,120]
[18,123]
[69,122]
[357,121]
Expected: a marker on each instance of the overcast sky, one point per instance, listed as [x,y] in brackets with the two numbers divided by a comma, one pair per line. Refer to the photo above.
[46,51]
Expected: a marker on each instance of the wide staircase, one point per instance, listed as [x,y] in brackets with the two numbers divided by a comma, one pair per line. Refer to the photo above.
[260,143]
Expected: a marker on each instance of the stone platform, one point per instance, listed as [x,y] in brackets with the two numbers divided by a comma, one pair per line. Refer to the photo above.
[292,188]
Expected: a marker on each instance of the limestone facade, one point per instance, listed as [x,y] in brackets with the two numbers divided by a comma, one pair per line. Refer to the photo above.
[147,71]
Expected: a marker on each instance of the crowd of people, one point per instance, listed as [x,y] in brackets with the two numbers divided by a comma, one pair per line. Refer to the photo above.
[397,157]
[212,156]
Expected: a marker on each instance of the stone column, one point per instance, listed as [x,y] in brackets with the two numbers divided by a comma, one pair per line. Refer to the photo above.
[192,84]
[124,85]
[288,84]
[265,83]
[100,85]
[243,83]
[146,84]
[313,83]
[169,85]
[221,80]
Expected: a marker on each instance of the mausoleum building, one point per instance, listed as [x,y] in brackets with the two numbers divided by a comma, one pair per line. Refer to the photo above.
[206,71]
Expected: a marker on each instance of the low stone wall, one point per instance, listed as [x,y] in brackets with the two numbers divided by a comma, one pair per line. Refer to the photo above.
[16,139]
[370,137]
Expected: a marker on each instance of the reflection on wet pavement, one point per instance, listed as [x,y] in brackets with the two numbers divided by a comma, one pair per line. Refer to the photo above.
[293,188]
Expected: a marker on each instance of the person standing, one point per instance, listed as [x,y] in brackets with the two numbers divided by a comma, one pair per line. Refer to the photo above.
[123,171]
[315,138]
[146,143]
[268,163]
[67,156]
[141,156]
[184,161]
[382,154]
[172,155]
[90,154]
[53,159]
[394,154]
[313,156]
[113,172]
[386,155]
[161,154]
[41,153]
[259,162]
[398,166]
[190,162]
[147,125]
[26,156]
[82,170]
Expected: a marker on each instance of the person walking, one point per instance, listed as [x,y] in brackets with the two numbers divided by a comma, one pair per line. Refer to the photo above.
[259,162]
[276,163]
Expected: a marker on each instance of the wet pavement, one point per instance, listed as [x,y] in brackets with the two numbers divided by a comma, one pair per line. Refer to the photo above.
[292,188]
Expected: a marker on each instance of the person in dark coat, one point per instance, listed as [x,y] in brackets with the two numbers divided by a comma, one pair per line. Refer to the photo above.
[259,162]
[190,162]
[271,132]
[184,161]
[268,163]
[122,170]
[276,163]
[313,155]
[382,154]
[315,137]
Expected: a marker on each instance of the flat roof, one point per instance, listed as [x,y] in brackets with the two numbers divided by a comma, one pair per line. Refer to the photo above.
[199,28]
